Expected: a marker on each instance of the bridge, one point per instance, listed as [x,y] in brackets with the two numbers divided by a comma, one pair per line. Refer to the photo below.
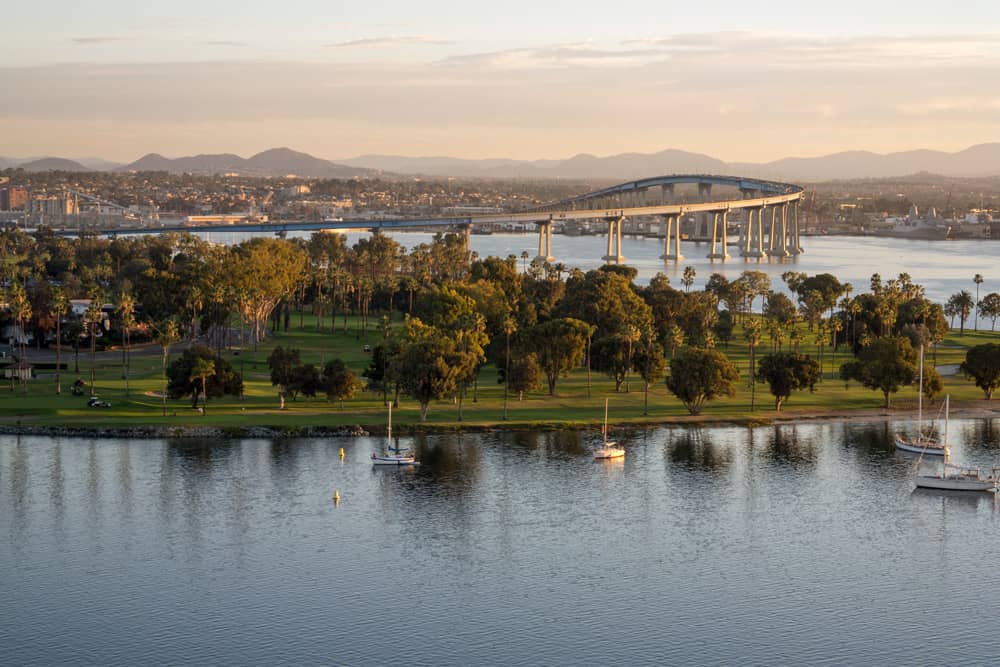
[767,211]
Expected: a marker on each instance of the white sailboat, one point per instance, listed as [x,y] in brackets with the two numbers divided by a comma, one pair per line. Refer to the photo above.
[610,449]
[954,477]
[393,456]
[922,444]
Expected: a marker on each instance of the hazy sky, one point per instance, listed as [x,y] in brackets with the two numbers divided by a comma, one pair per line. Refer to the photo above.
[739,81]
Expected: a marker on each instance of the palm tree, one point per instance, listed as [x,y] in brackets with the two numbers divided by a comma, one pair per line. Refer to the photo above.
[978,279]
[20,308]
[126,309]
[94,316]
[59,304]
[961,304]
[751,332]
[524,261]
[509,327]
[167,334]
[688,278]
[202,369]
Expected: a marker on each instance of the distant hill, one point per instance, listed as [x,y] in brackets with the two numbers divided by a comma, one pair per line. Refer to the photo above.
[975,161]
[53,164]
[979,160]
[273,162]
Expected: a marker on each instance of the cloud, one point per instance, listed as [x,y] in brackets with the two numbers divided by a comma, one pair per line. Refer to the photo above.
[97,40]
[575,54]
[391,40]
[223,42]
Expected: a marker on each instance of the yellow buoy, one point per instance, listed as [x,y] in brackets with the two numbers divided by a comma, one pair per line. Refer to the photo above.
[341,452]
[336,497]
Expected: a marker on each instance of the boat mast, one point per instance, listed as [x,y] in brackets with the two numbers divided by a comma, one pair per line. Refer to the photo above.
[920,398]
[605,421]
[388,432]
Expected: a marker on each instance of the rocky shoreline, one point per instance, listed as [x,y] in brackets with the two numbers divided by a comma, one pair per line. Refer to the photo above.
[197,432]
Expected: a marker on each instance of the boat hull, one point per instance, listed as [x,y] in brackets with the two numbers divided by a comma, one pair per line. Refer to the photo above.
[927,449]
[393,460]
[955,484]
[609,452]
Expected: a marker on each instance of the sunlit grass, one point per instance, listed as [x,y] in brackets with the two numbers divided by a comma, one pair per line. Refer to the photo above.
[574,405]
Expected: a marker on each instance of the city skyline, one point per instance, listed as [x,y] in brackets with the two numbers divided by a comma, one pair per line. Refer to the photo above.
[521,82]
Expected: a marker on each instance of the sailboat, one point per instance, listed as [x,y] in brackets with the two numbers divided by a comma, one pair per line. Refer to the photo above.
[922,444]
[393,456]
[954,477]
[610,449]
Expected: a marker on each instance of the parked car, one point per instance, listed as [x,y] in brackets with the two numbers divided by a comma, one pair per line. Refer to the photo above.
[96,402]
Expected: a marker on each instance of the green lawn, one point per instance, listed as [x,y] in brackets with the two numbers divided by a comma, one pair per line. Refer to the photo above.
[574,405]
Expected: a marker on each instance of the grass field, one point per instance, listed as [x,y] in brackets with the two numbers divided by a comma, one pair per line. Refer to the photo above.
[576,405]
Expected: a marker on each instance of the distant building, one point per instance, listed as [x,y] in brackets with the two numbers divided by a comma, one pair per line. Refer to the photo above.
[13,198]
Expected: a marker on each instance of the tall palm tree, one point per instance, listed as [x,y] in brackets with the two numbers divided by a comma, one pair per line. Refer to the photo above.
[978,279]
[20,307]
[167,333]
[751,331]
[126,309]
[59,305]
[94,316]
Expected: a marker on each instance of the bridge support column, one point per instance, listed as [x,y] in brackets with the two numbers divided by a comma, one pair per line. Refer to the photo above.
[796,247]
[673,234]
[614,254]
[715,252]
[783,250]
[776,234]
[755,233]
[545,242]
[666,193]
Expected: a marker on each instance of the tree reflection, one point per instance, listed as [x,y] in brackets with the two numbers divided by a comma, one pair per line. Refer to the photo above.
[786,446]
[694,447]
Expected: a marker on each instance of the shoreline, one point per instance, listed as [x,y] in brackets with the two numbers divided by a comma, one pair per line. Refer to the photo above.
[307,431]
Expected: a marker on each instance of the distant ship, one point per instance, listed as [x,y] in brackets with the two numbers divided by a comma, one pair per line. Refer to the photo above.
[915,226]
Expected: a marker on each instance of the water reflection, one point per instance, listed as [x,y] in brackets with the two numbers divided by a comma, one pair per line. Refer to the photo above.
[787,446]
[963,500]
[695,448]
[984,433]
[875,439]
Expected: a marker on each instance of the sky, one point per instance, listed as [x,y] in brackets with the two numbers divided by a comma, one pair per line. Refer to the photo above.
[515,79]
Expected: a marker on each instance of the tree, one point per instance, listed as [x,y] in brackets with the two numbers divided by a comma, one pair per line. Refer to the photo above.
[429,365]
[166,334]
[201,370]
[610,355]
[339,381]
[688,278]
[978,279]
[785,372]
[982,365]
[961,304]
[650,362]
[752,332]
[94,316]
[885,365]
[183,381]
[126,311]
[559,345]
[525,374]
[990,307]
[698,376]
[59,306]
[283,362]
[20,307]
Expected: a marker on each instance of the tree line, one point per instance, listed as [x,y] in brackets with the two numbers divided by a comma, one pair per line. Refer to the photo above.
[534,322]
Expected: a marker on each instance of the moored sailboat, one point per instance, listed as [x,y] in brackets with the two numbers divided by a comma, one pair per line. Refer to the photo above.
[955,477]
[610,449]
[393,456]
[922,444]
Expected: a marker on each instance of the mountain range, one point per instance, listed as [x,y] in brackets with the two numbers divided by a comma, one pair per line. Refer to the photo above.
[976,161]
